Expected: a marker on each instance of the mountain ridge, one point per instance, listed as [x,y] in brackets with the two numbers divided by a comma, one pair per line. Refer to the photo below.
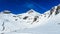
[10,22]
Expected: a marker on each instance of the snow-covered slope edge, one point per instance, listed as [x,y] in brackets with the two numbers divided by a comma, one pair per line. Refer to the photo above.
[10,22]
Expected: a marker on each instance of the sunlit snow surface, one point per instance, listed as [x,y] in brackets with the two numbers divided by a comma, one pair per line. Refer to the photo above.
[24,23]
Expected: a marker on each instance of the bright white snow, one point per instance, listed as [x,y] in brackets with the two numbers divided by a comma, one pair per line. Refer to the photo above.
[30,22]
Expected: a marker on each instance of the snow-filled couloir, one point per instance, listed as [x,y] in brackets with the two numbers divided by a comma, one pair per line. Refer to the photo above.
[31,19]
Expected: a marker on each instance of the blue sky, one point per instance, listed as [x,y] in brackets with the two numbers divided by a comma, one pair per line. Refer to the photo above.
[21,6]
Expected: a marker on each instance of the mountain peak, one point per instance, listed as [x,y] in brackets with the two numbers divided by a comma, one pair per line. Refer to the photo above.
[31,11]
[6,12]
[54,10]
[57,10]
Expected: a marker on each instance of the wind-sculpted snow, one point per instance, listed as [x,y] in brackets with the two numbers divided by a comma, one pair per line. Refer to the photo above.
[31,22]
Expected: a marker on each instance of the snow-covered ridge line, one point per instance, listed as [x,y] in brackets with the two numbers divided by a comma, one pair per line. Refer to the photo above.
[51,11]
[11,22]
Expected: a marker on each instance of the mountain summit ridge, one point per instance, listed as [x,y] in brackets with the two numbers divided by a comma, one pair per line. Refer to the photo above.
[31,19]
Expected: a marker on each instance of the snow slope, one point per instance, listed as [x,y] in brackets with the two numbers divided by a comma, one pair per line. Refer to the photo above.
[31,22]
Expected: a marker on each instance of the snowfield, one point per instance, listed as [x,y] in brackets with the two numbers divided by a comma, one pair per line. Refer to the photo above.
[31,22]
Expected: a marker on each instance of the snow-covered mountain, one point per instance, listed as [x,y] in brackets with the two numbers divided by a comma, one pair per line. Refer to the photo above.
[31,22]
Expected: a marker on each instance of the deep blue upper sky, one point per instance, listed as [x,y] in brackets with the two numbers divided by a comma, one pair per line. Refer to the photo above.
[20,6]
